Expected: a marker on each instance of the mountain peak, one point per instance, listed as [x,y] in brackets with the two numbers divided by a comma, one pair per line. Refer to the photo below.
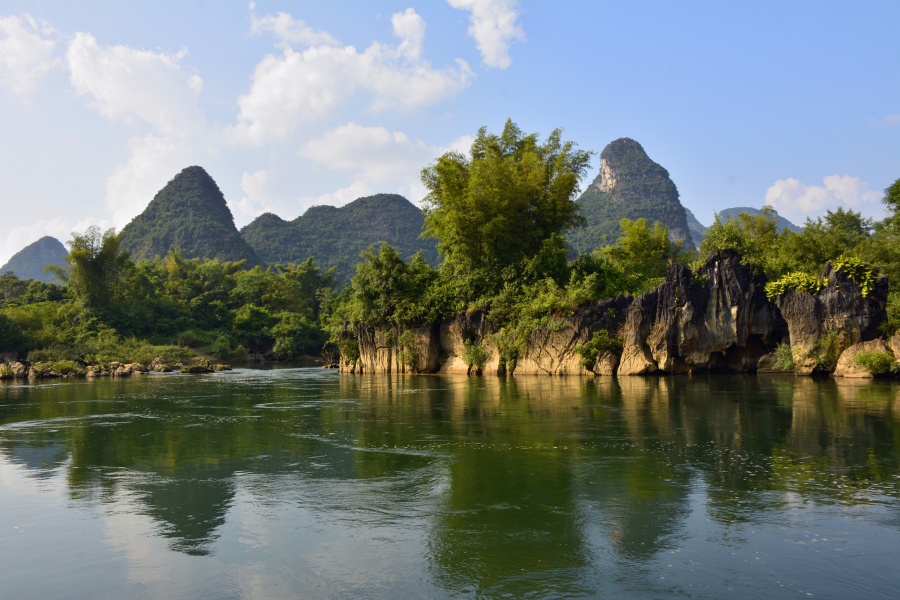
[29,262]
[629,185]
[189,213]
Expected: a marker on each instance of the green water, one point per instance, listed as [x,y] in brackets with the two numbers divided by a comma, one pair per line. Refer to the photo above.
[303,483]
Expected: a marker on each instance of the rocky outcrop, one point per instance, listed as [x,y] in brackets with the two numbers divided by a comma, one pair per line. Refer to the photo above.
[839,309]
[717,318]
[847,367]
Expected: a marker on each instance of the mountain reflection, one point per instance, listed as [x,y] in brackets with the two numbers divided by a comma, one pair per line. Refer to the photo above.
[514,484]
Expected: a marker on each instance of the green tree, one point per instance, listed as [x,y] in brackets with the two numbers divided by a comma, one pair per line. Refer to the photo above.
[97,264]
[497,206]
[644,252]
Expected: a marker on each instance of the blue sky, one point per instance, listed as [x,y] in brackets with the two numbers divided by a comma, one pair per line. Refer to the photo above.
[293,104]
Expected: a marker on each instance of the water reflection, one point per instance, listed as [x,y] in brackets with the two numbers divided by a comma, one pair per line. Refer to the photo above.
[490,487]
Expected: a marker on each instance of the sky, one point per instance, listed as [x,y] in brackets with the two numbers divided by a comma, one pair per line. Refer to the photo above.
[295,104]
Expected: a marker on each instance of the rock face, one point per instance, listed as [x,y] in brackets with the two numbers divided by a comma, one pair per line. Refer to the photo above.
[847,367]
[632,186]
[715,319]
[838,310]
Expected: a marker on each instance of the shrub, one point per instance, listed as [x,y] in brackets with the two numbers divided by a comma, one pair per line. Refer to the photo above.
[599,342]
[857,270]
[784,357]
[407,353]
[349,350]
[877,362]
[798,280]
[475,356]
[828,350]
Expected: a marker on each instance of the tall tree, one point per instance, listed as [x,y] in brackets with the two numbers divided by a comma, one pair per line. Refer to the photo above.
[96,265]
[497,206]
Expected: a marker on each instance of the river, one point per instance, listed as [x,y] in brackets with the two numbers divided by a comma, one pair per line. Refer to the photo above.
[305,483]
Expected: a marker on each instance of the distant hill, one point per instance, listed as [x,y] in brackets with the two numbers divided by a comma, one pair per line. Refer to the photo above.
[633,186]
[336,236]
[29,262]
[698,229]
[189,213]
[782,223]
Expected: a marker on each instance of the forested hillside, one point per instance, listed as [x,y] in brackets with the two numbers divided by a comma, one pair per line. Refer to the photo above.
[336,236]
[189,213]
[30,261]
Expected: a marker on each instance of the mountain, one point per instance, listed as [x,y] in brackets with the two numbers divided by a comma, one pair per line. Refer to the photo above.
[698,229]
[633,186]
[29,262]
[336,236]
[189,213]
[781,222]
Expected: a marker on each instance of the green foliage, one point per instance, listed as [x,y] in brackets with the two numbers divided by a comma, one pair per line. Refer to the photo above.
[802,282]
[97,264]
[828,350]
[644,252]
[349,350]
[475,356]
[497,206]
[407,353]
[189,213]
[784,356]
[892,324]
[599,342]
[877,362]
[642,189]
[864,276]
[12,339]
[336,236]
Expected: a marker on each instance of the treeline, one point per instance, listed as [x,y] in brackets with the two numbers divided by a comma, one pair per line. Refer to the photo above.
[499,216]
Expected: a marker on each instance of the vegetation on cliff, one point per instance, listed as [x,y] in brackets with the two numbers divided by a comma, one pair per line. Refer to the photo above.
[189,214]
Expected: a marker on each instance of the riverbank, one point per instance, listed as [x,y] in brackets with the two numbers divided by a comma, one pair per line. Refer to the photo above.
[719,318]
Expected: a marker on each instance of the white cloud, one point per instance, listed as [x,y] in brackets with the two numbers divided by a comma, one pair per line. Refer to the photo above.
[357,189]
[294,88]
[888,121]
[376,158]
[796,201]
[25,53]
[154,161]
[494,27]
[256,201]
[125,83]
[290,30]
[374,153]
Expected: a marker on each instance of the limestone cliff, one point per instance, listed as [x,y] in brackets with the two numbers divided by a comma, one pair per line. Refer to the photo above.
[717,319]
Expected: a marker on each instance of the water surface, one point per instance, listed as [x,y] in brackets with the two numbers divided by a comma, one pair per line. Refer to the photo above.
[294,483]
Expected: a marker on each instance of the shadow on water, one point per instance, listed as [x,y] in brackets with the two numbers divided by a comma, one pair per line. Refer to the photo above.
[515,487]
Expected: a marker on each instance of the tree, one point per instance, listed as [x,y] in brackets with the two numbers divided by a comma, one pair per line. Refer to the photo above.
[644,252]
[497,206]
[96,265]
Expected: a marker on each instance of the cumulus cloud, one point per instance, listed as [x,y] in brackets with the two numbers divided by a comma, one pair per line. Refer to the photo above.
[131,85]
[376,156]
[256,201]
[494,27]
[294,88]
[125,83]
[25,52]
[796,201]
[153,162]
[289,30]
[357,189]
